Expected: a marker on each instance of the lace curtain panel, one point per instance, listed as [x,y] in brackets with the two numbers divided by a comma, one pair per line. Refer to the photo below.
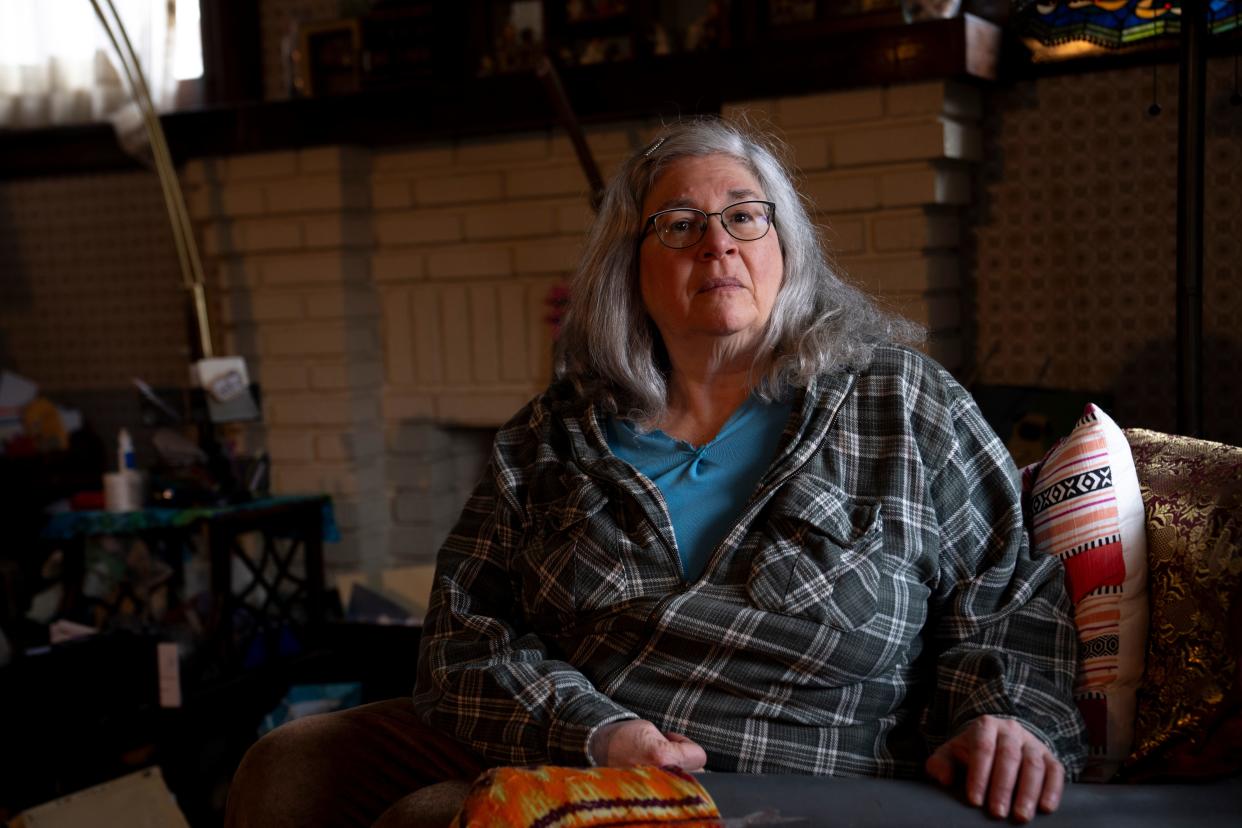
[58,67]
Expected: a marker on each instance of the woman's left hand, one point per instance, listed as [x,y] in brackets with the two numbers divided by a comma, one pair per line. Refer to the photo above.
[1004,762]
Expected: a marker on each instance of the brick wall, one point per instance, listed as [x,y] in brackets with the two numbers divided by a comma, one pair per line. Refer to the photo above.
[393,302]
[889,171]
[468,240]
[288,236]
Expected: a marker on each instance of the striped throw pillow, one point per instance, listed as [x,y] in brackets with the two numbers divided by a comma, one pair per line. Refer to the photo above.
[1087,510]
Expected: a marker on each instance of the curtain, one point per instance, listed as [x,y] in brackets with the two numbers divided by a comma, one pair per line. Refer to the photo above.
[58,67]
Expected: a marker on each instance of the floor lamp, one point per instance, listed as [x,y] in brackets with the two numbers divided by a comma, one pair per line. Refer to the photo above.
[225,381]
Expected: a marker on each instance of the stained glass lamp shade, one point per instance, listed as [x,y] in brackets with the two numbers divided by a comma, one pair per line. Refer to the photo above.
[1048,27]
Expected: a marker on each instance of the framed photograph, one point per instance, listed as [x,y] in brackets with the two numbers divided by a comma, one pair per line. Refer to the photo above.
[330,58]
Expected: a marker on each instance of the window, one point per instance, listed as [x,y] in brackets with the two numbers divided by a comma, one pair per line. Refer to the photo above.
[57,65]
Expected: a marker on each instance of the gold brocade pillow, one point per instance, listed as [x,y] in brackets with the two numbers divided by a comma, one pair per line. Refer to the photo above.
[1189,719]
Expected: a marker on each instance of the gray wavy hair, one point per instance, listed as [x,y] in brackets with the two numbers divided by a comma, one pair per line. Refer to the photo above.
[610,349]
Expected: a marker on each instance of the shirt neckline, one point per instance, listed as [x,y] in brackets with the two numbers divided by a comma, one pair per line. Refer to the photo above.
[749,407]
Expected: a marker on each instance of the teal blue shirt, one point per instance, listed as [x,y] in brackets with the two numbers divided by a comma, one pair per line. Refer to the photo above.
[705,487]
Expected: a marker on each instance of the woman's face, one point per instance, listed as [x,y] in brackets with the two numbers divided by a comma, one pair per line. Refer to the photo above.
[721,290]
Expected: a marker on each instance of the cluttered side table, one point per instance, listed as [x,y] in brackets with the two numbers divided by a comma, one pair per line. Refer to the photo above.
[170,614]
[231,574]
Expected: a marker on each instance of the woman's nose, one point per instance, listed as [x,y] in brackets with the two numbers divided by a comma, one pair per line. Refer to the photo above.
[716,241]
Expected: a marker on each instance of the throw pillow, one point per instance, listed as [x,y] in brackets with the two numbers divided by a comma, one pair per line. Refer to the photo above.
[586,797]
[1189,722]
[1086,509]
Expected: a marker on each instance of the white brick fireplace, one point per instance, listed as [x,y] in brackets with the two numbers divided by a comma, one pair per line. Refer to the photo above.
[391,302]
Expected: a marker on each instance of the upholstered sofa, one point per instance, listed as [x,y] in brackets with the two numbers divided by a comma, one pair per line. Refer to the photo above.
[1185,751]
[1186,754]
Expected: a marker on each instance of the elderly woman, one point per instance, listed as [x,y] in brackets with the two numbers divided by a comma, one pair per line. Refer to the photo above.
[745,530]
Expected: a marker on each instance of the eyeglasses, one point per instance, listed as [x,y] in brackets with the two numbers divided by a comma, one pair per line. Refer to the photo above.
[684,227]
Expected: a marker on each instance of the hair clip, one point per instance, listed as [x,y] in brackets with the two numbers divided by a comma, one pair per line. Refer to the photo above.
[655,145]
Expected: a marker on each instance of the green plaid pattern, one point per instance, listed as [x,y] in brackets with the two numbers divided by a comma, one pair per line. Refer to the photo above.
[876,594]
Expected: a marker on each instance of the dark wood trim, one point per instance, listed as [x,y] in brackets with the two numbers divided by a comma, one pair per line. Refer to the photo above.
[473,107]
[67,150]
[232,51]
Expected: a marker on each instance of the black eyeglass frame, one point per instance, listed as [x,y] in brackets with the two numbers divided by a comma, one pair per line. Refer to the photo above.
[650,224]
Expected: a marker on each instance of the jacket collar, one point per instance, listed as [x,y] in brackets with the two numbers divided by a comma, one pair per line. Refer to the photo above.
[813,411]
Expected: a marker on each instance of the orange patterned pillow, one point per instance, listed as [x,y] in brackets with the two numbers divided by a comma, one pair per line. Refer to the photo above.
[1086,509]
[555,797]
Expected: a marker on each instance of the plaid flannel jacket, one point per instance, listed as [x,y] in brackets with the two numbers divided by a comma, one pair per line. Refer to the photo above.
[875,595]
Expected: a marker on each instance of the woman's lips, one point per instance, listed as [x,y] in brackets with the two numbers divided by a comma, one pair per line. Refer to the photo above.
[719,283]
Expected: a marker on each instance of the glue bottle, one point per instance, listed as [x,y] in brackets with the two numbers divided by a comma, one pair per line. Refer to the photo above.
[125,452]
[123,488]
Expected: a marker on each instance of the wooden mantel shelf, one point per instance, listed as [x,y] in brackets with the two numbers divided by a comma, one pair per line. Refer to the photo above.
[962,47]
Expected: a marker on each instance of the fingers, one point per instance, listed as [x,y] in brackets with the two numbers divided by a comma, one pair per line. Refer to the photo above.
[977,746]
[1006,762]
[939,765]
[639,742]
[683,753]
[1008,769]
[1054,784]
[1034,770]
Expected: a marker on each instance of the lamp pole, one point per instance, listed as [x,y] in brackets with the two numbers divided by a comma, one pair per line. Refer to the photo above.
[1191,110]
[174,200]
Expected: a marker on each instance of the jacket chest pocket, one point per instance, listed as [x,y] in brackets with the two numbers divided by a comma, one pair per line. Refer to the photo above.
[819,556]
[568,562]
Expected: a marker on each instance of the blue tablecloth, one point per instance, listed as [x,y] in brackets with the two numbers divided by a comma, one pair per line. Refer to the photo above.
[67,525]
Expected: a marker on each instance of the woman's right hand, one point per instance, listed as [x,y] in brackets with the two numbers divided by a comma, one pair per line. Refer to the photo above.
[639,742]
